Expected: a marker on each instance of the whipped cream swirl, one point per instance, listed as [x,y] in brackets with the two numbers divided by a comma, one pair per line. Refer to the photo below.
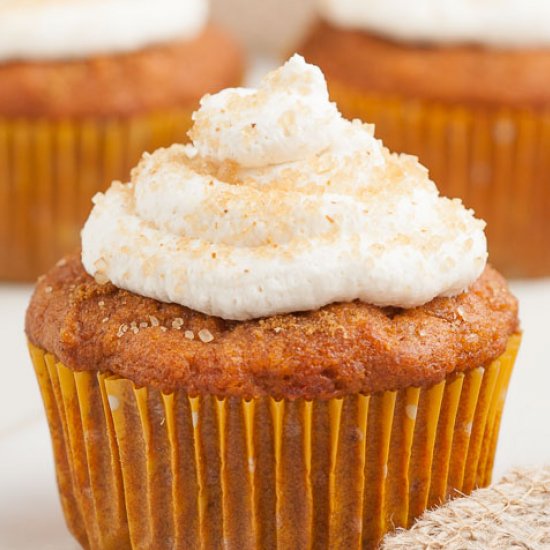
[506,23]
[281,205]
[68,29]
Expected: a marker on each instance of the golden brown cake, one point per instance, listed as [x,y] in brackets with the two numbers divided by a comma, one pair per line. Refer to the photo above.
[278,336]
[351,347]
[476,115]
[150,79]
[75,115]
[473,75]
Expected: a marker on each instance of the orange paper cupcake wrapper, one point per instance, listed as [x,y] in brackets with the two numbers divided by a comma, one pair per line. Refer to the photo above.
[137,468]
[50,170]
[495,159]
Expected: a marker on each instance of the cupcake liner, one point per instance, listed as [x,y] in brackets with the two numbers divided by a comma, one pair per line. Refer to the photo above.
[142,469]
[50,170]
[494,158]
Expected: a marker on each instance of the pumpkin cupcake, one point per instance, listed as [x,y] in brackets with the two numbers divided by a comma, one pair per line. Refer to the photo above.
[463,85]
[86,87]
[278,336]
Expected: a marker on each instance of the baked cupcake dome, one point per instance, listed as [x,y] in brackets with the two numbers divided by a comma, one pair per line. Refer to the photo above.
[75,114]
[268,357]
[318,425]
[469,98]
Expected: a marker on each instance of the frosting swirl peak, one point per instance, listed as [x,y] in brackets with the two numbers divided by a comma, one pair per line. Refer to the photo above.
[281,205]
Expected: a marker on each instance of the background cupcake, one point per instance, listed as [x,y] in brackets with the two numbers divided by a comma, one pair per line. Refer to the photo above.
[86,87]
[463,85]
[279,336]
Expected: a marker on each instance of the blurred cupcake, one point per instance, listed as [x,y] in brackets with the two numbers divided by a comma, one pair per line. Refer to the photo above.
[280,336]
[466,87]
[86,87]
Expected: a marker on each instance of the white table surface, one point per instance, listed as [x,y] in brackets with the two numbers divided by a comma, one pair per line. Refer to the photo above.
[30,515]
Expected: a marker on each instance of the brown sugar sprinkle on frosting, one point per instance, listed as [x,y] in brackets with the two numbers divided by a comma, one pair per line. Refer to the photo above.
[101,278]
[122,330]
[101,303]
[100,264]
[189,334]
[205,335]
[61,262]
[48,289]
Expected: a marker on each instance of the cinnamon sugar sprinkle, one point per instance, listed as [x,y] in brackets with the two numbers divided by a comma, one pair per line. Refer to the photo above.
[154,321]
[101,278]
[177,323]
[205,335]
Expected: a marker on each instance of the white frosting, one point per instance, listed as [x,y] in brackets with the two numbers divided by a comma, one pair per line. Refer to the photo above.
[281,205]
[66,29]
[491,22]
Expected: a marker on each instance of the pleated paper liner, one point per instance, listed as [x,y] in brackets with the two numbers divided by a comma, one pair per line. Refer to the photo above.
[495,159]
[50,170]
[137,468]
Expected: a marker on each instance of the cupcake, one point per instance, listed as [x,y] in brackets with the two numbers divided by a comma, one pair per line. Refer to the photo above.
[85,88]
[463,85]
[278,336]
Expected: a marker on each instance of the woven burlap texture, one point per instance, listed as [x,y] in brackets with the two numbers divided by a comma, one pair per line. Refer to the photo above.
[514,513]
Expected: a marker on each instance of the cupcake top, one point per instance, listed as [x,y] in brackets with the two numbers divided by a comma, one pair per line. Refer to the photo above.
[67,29]
[334,351]
[281,205]
[491,22]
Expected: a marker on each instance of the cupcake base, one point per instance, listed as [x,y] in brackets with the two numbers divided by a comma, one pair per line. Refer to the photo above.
[139,468]
[50,170]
